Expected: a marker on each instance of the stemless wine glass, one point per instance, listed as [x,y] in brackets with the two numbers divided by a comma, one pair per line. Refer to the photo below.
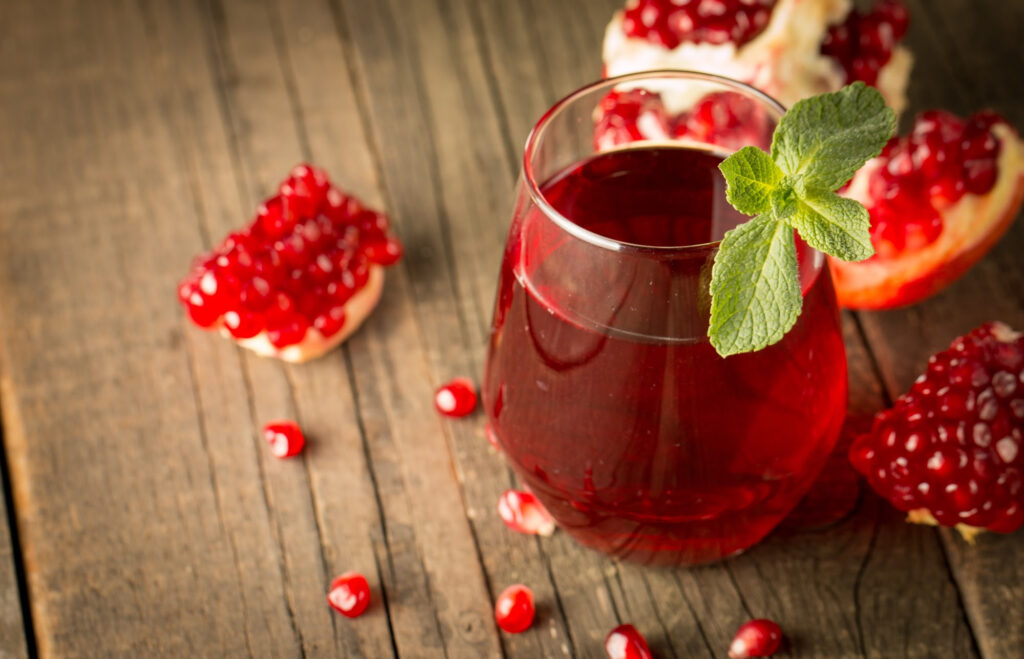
[601,386]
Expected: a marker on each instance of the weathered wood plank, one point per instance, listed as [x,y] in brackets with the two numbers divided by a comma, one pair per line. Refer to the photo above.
[968,57]
[438,586]
[14,642]
[110,452]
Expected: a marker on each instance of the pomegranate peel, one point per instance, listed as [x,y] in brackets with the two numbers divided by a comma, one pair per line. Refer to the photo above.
[970,226]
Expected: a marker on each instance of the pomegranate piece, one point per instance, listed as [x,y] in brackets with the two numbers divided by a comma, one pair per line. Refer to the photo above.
[668,23]
[285,438]
[300,278]
[939,198]
[349,594]
[513,611]
[790,49]
[864,42]
[625,642]
[756,638]
[456,398]
[523,512]
[725,119]
[950,449]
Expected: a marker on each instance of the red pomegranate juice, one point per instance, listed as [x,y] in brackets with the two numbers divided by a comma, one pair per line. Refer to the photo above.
[604,392]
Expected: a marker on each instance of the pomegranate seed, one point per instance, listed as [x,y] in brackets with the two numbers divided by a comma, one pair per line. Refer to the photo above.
[513,611]
[349,594]
[243,323]
[300,261]
[522,511]
[285,438]
[384,251]
[456,398]
[756,638]
[625,642]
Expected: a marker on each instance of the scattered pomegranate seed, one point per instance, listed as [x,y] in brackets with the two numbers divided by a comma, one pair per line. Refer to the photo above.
[625,642]
[514,609]
[349,594]
[285,438]
[951,450]
[280,286]
[864,42]
[456,398]
[670,22]
[522,511]
[756,638]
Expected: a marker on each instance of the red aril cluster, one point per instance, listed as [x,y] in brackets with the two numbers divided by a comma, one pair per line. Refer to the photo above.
[951,447]
[293,269]
[942,159]
[756,638]
[513,610]
[349,594]
[671,22]
[864,42]
[725,119]
[625,642]
[285,438]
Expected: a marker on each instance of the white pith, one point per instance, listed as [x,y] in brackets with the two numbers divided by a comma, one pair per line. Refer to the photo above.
[784,60]
[965,225]
[315,344]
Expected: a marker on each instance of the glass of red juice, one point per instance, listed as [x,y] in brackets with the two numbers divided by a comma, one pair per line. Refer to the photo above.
[601,386]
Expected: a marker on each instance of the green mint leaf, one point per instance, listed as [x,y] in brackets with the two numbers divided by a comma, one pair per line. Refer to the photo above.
[834,225]
[822,141]
[751,176]
[755,287]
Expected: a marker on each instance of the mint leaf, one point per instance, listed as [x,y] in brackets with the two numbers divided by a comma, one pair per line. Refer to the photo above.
[834,225]
[822,141]
[817,146]
[755,287]
[752,176]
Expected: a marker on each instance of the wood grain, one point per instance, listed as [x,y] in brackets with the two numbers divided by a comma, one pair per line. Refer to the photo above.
[14,642]
[139,133]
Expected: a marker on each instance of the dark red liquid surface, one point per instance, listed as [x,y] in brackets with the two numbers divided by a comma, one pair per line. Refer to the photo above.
[607,397]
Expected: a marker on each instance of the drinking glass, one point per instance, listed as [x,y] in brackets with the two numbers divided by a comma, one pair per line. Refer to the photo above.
[601,387]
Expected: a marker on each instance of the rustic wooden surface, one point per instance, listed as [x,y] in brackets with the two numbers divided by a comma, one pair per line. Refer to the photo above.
[150,519]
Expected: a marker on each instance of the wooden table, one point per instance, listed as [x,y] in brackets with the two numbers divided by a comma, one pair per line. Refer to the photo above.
[151,519]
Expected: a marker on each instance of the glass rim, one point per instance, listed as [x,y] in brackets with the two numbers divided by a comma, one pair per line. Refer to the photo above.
[537,133]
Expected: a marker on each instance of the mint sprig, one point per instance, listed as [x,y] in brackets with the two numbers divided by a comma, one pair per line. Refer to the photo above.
[817,146]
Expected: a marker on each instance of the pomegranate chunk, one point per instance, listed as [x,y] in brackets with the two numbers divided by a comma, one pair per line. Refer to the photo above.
[864,42]
[625,642]
[285,438]
[725,119]
[301,277]
[789,49]
[939,198]
[756,638]
[522,511]
[349,594]
[670,22]
[951,450]
[456,398]
[513,611]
